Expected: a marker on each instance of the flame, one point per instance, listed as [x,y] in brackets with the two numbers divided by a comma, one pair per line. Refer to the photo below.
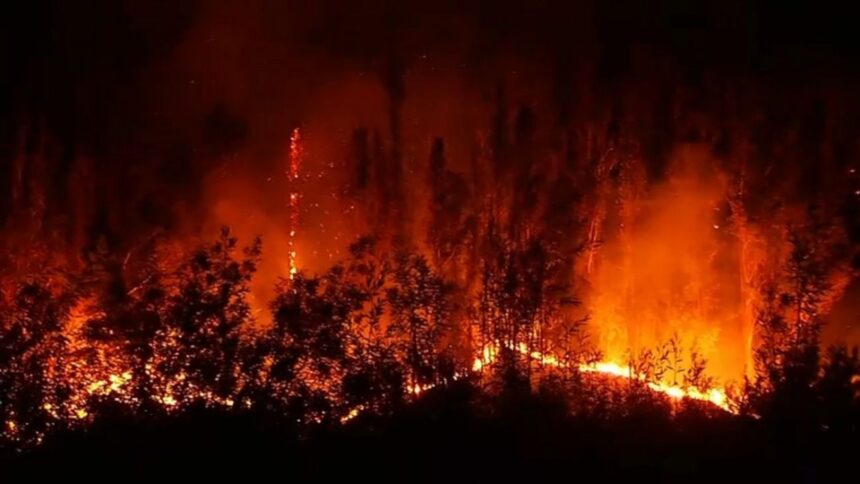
[653,271]
[418,388]
[715,396]
[293,166]
[662,268]
[355,412]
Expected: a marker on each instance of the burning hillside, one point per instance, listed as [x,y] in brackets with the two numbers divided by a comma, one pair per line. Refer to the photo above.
[321,214]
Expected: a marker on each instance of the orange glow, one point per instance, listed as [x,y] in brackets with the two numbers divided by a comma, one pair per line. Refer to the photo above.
[674,263]
[666,266]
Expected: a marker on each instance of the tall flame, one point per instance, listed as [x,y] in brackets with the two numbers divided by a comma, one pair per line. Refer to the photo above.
[293,166]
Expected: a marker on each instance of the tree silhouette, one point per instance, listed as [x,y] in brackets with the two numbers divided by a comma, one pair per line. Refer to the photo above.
[790,322]
[131,314]
[30,345]
[420,316]
[838,391]
[449,227]
[306,346]
[205,317]
[328,349]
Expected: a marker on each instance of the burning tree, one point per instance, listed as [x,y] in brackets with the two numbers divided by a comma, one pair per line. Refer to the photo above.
[449,228]
[205,318]
[419,306]
[328,342]
[31,346]
[520,303]
[790,322]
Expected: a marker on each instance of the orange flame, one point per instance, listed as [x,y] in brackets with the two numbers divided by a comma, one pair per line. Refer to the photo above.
[716,396]
[296,150]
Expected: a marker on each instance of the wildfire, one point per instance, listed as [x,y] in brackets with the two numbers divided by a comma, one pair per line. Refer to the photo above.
[114,383]
[716,396]
[659,258]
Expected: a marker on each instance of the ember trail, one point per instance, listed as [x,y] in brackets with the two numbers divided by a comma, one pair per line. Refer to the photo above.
[334,216]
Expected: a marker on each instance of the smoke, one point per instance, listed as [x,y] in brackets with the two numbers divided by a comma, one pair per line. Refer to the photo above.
[663,268]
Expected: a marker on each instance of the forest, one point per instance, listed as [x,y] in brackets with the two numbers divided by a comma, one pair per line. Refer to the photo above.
[314,240]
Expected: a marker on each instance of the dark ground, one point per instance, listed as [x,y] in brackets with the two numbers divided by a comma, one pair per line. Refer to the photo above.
[439,439]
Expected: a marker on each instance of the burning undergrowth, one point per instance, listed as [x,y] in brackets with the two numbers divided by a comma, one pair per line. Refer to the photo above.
[163,329]
[366,336]
[524,275]
[608,224]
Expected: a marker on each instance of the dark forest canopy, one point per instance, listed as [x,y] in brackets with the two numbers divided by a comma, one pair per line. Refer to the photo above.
[94,66]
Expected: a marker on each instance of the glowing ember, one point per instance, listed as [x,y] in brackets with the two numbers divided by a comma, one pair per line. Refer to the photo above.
[355,412]
[293,166]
